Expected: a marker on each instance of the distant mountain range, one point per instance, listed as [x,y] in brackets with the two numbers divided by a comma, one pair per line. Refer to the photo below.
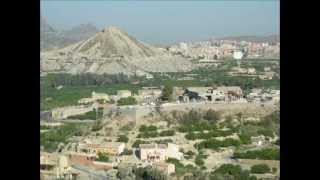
[50,38]
[270,38]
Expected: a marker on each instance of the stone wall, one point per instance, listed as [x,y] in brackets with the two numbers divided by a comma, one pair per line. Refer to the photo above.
[64,112]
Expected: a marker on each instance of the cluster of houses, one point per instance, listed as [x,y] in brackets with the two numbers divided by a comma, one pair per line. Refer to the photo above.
[219,49]
[260,95]
[86,153]
[223,94]
[150,95]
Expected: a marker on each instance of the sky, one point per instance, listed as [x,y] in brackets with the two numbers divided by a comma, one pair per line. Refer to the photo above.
[165,22]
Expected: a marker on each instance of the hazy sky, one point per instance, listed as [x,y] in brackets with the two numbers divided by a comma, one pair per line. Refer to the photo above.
[167,21]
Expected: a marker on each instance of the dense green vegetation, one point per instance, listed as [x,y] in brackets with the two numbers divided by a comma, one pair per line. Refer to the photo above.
[69,95]
[230,171]
[123,138]
[86,79]
[245,139]
[216,144]
[127,101]
[149,173]
[167,93]
[199,160]
[197,126]
[208,135]
[260,169]
[138,142]
[76,87]
[263,154]
[148,134]
[103,157]
[144,128]
[167,133]
[52,138]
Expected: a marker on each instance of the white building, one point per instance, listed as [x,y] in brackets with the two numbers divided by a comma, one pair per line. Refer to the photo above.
[124,93]
[159,152]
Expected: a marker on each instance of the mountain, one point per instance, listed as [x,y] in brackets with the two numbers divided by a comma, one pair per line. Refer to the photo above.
[45,27]
[79,33]
[111,51]
[270,39]
[50,38]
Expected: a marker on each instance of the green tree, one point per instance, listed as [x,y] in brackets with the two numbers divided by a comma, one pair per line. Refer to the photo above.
[260,169]
[127,101]
[199,161]
[123,138]
[103,157]
[167,93]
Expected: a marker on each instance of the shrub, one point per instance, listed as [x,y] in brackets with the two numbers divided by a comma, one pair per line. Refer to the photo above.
[260,169]
[211,116]
[245,139]
[167,133]
[127,152]
[199,161]
[263,154]
[144,128]
[216,144]
[103,157]
[123,138]
[274,170]
[229,169]
[87,116]
[167,93]
[127,101]
[148,134]
[138,142]
[266,132]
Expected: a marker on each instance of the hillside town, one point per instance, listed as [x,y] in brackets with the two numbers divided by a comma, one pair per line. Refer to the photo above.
[97,155]
[113,107]
[221,49]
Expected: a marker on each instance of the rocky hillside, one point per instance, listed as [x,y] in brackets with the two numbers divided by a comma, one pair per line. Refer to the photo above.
[111,51]
[50,38]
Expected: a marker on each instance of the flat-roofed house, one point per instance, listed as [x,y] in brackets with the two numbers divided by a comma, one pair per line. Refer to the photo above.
[159,152]
[54,166]
[173,152]
[153,152]
[124,93]
[232,93]
[149,94]
[112,148]
[103,96]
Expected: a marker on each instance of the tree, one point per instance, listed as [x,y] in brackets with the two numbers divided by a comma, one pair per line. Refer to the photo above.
[103,157]
[211,116]
[127,101]
[123,138]
[199,161]
[167,93]
[260,169]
